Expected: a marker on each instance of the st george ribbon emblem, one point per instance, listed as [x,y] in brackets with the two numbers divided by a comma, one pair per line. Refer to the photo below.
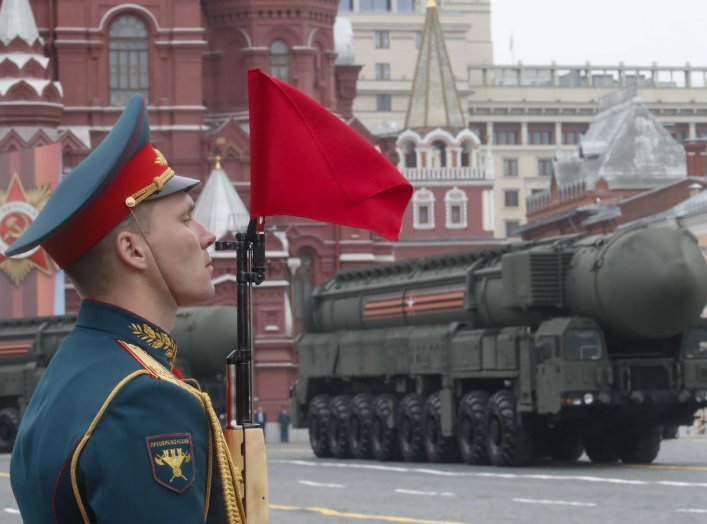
[18,209]
[172,460]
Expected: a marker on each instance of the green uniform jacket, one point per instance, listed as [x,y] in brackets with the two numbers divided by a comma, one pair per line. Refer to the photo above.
[149,458]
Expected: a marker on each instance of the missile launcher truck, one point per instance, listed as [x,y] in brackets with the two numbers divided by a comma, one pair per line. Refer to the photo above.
[205,336]
[533,349]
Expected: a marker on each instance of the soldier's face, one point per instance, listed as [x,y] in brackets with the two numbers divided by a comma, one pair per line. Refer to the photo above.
[179,243]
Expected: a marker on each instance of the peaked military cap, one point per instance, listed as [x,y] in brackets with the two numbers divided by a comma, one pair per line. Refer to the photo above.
[120,173]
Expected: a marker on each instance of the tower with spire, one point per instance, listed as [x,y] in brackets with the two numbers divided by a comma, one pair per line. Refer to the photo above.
[452,206]
[31,101]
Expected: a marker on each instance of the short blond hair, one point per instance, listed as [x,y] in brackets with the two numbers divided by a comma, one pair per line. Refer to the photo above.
[92,274]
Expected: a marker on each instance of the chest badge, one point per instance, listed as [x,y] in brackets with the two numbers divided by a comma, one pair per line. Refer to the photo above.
[172,460]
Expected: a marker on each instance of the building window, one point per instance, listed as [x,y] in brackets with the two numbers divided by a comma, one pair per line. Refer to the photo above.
[409,155]
[381,39]
[540,135]
[379,6]
[506,135]
[407,6]
[418,39]
[423,205]
[455,205]
[382,71]
[545,167]
[346,5]
[438,155]
[572,133]
[512,228]
[384,102]
[510,167]
[128,59]
[679,132]
[510,198]
[280,60]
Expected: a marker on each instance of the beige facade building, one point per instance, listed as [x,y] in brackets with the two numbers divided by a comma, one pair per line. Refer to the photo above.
[526,112]
[387,36]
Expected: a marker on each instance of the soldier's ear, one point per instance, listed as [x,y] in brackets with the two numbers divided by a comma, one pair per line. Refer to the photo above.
[131,249]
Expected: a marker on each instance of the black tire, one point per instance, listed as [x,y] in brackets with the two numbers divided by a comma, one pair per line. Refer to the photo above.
[384,433]
[509,444]
[410,432]
[339,426]
[471,428]
[318,413]
[9,424]
[360,426]
[641,446]
[670,432]
[601,448]
[438,448]
[565,446]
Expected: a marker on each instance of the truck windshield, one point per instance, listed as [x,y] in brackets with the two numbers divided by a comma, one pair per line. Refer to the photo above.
[696,343]
[583,344]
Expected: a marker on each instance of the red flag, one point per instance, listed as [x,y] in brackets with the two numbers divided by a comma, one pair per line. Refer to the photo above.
[306,162]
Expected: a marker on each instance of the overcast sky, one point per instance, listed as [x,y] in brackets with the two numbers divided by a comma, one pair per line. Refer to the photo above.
[603,32]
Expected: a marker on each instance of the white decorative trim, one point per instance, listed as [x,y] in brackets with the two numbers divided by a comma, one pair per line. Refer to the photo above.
[423,198]
[456,197]
[127,7]
[357,257]
[248,39]
[164,43]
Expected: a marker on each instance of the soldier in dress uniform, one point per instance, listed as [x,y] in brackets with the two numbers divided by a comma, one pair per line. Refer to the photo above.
[111,435]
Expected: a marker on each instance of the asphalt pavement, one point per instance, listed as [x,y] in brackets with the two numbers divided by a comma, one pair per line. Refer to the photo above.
[308,490]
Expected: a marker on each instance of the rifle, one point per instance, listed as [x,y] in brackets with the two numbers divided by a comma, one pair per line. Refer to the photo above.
[246,440]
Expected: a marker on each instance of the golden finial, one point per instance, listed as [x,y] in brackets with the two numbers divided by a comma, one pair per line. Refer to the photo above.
[431,3]
[217,165]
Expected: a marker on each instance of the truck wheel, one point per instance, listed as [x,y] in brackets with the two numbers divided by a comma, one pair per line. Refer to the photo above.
[565,446]
[670,432]
[640,447]
[9,424]
[319,425]
[509,444]
[360,426]
[410,432]
[384,435]
[339,426]
[601,448]
[471,433]
[437,447]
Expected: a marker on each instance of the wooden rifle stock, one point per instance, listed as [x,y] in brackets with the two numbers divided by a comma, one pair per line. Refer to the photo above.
[245,440]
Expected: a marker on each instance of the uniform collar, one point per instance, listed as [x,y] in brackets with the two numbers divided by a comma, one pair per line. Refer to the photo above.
[128,327]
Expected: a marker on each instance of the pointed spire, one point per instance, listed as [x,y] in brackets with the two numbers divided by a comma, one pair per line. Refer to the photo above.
[434,101]
[17,20]
[219,208]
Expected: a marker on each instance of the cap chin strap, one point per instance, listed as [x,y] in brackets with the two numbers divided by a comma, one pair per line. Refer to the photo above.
[154,256]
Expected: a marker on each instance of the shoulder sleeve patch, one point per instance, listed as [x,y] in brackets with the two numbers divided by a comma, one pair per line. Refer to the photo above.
[172,460]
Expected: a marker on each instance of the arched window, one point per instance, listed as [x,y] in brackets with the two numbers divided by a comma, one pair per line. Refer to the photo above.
[439,154]
[128,59]
[455,206]
[410,155]
[280,60]
[423,209]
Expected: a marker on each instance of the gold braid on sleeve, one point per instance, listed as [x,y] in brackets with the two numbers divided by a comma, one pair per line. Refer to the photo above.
[235,513]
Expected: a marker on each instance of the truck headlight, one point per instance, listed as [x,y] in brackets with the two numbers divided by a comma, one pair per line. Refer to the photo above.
[588,398]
